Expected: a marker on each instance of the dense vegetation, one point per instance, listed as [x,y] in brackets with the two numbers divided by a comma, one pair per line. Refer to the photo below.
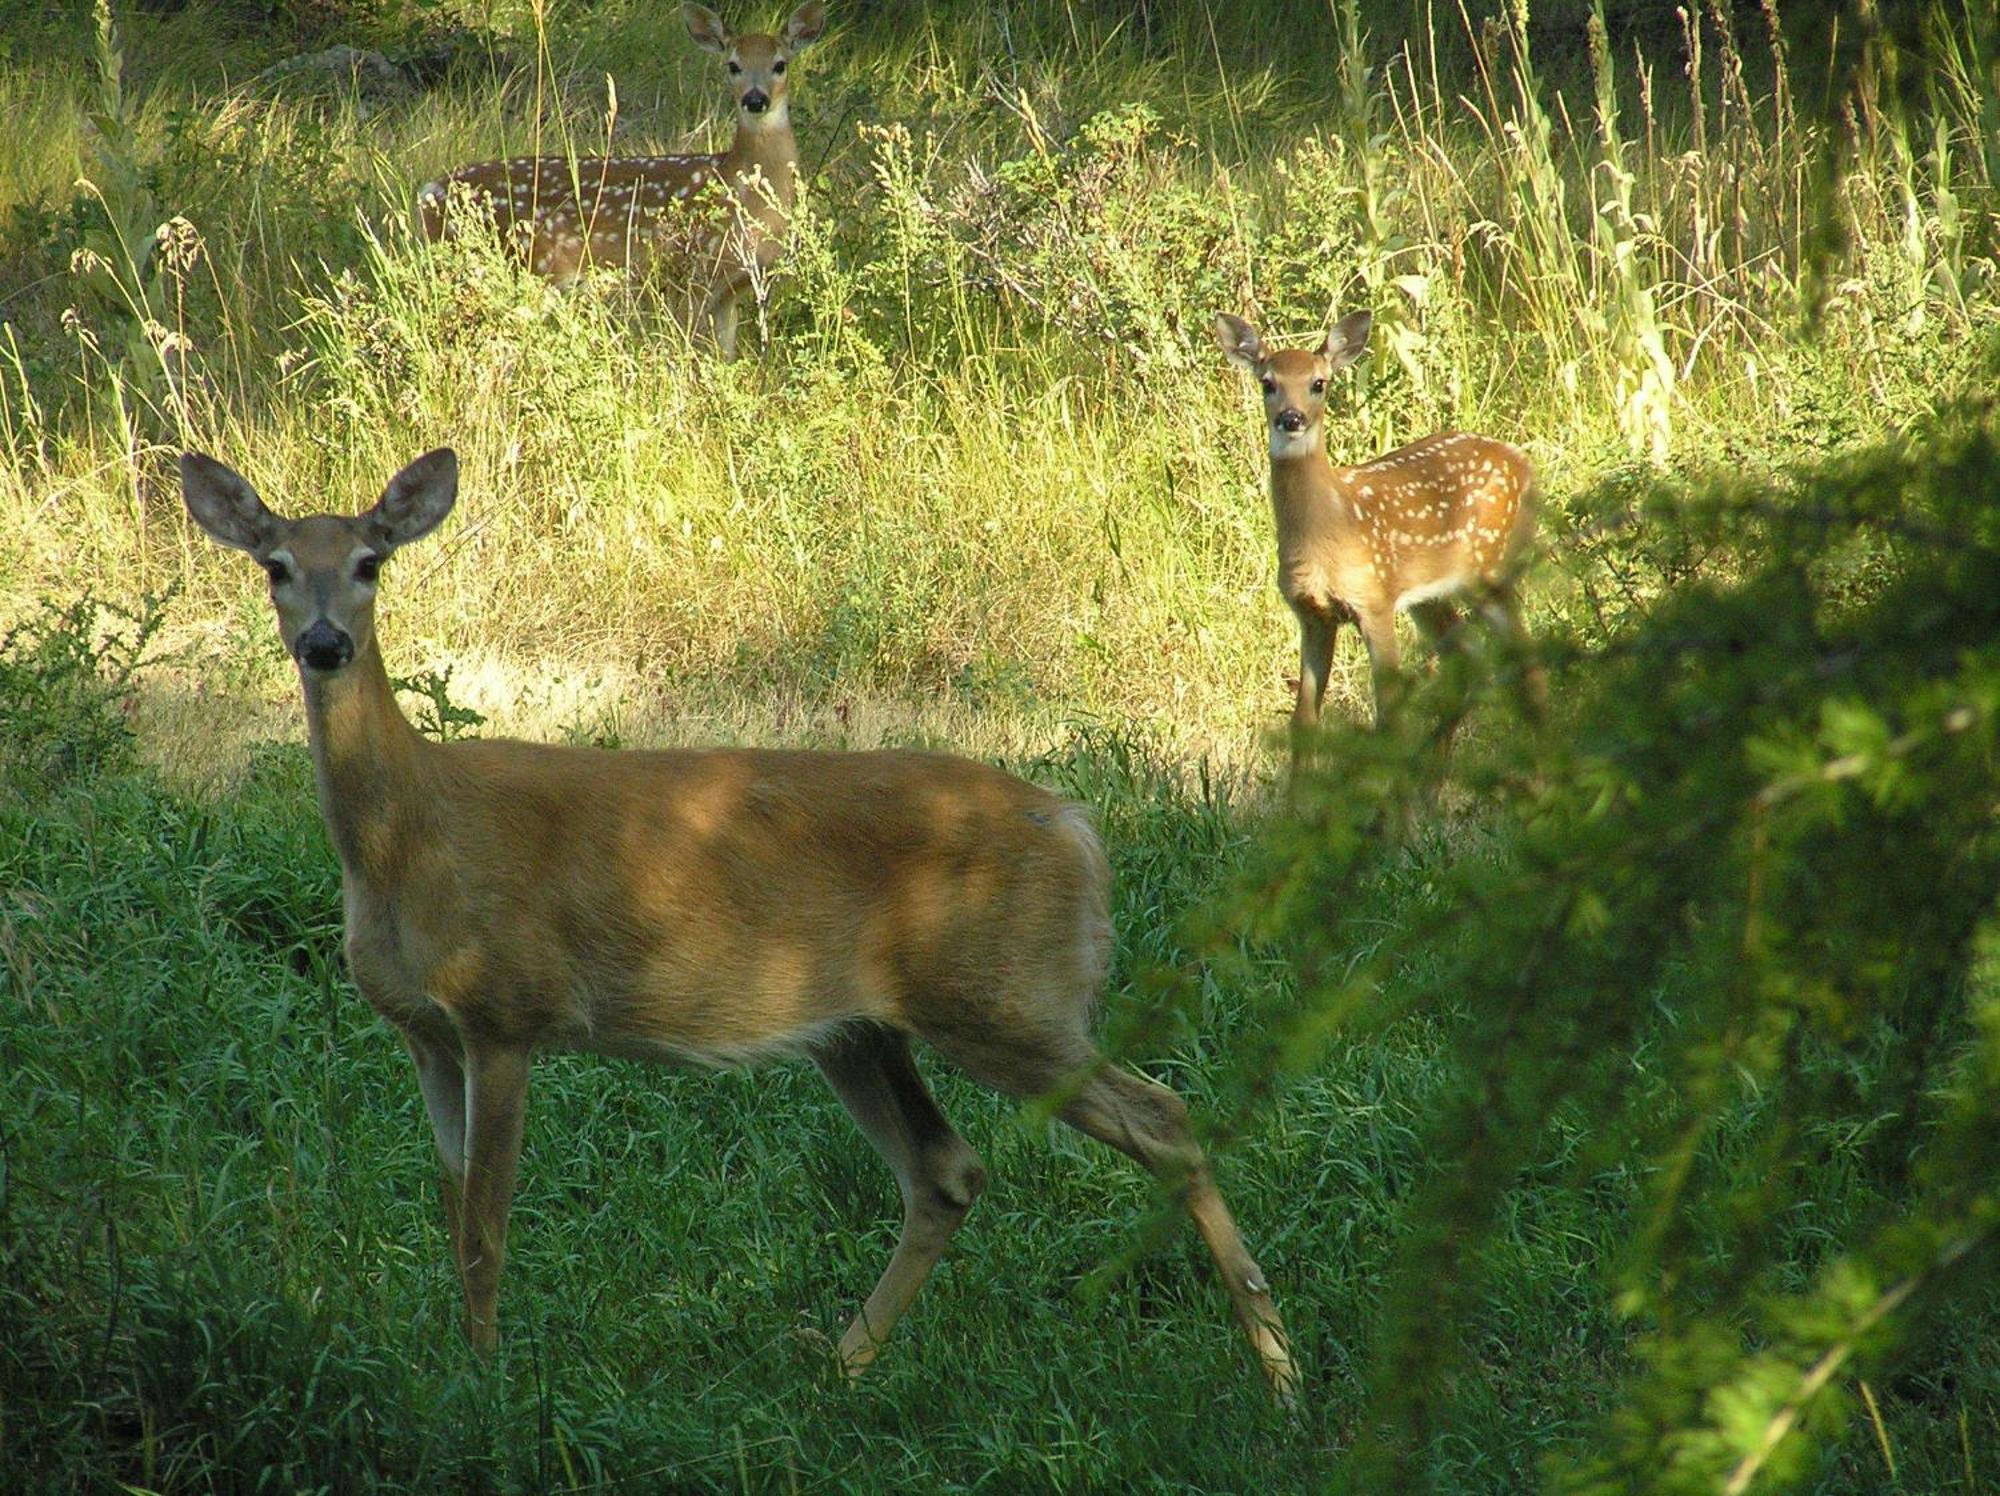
[1612,1098]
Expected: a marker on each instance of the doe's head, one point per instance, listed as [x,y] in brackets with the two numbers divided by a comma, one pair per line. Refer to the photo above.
[1294,380]
[322,568]
[758,62]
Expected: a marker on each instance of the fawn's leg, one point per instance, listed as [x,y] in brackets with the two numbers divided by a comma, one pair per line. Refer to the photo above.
[722,318]
[1316,635]
[1439,622]
[1502,611]
[1385,657]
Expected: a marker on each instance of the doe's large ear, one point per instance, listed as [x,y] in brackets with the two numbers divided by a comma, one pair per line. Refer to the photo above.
[706,27]
[806,26]
[416,500]
[1347,338]
[224,504]
[1239,341]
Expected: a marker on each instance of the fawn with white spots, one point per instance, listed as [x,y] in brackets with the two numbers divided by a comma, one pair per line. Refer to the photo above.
[1446,516]
[707,906]
[708,227]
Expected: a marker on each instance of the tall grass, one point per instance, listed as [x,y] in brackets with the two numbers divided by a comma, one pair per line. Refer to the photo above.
[1020,228]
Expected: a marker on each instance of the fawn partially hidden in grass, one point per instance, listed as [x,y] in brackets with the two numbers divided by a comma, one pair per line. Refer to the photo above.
[1446,517]
[706,228]
[716,906]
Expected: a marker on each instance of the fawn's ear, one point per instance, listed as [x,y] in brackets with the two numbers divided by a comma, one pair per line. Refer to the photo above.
[1346,339]
[416,500]
[706,27]
[1239,341]
[805,27]
[224,504]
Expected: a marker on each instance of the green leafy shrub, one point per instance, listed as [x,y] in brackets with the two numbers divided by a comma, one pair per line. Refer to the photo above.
[1723,932]
[66,688]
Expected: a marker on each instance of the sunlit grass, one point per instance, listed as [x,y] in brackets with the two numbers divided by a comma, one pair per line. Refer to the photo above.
[924,487]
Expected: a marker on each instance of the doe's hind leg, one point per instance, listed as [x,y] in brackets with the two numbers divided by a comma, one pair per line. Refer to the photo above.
[1149,1122]
[870,1070]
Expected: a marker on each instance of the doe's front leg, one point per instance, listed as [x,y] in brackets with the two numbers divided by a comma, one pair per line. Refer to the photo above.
[441,1082]
[496,1093]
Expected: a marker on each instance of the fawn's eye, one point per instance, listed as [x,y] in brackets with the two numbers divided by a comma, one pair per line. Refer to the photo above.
[278,572]
[1270,385]
[367,568]
[778,66]
[735,67]
[1319,386]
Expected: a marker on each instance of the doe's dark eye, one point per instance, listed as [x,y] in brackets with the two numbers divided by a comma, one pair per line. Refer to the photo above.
[278,572]
[1270,386]
[778,66]
[366,569]
[1319,386]
[735,67]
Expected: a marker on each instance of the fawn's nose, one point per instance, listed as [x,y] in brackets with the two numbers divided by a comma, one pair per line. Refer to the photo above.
[1291,419]
[324,647]
[756,101]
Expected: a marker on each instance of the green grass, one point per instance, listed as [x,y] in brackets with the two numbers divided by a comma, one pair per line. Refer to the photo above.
[989,487]
[224,1265]
[233,1145]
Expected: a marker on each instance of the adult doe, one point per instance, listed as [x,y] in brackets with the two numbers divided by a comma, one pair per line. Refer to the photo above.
[1446,516]
[713,906]
[707,228]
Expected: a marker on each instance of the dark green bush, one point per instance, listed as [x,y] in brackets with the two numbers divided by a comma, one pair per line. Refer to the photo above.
[1716,941]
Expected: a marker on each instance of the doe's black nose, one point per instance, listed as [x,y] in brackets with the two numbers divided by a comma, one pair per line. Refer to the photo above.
[756,101]
[1291,420]
[324,647]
